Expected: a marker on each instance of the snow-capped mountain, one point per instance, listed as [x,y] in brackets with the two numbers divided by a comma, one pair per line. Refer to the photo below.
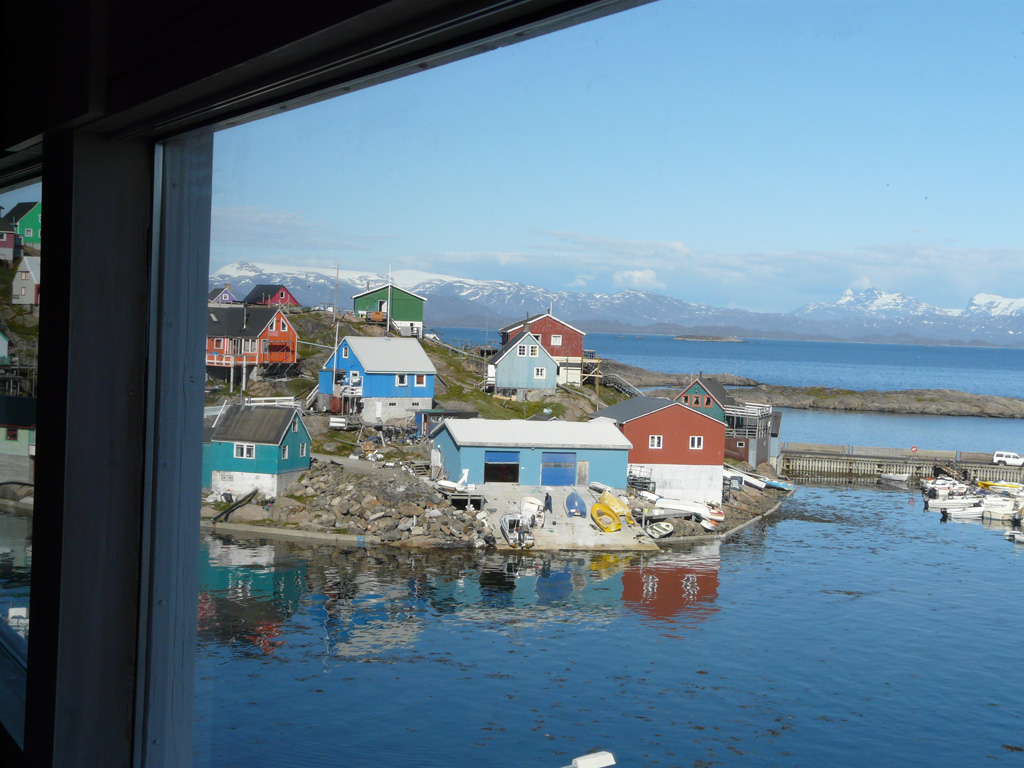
[873,302]
[869,315]
[988,305]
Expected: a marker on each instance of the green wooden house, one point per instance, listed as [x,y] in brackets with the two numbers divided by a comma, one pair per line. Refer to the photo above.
[254,447]
[27,221]
[401,308]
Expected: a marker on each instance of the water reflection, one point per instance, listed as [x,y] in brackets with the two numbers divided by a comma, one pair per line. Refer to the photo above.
[369,602]
[15,572]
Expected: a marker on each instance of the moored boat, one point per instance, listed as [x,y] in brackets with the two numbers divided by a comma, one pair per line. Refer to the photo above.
[895,477]
[618,506]
[659,529]
[532,509]
[516,532]
[605,518]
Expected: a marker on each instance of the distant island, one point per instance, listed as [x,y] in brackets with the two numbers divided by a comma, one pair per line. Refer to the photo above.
[711,338]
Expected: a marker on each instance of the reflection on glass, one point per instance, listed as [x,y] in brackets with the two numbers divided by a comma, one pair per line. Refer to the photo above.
[20,268]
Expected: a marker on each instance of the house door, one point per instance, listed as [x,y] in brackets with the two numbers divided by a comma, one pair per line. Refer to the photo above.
[379,410]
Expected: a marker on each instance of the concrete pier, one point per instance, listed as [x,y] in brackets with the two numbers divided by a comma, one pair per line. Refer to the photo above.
[813,461]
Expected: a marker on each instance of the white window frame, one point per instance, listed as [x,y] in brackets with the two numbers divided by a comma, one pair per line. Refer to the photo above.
[420,380]
[284,453]
[28,233]
[245,451]
[521,350]
[302,450]
[344,353]
[295,424]
[696,442]
[540,372]
[655,442]
[218,343]
[534,350]
[401,380]
[556,339]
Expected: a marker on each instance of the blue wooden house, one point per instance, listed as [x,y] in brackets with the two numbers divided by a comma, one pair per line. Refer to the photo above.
[522,364]
[380,378]
[261,447]
[551,453]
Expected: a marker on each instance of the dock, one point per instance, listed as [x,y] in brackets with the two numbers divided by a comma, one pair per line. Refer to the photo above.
[816,461]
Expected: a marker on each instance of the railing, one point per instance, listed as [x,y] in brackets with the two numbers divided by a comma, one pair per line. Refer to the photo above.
[590,354]
[614,381]
[348,390]
[311,397]
[284,402]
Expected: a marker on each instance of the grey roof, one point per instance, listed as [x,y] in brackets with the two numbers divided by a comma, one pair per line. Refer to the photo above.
[18,212]
[514,342]
[390,354]
[394,287]
[17,411]
[265,424]
[719,392]
[537,434]
[538,316]
[263,291]
[238,322]
[631,409]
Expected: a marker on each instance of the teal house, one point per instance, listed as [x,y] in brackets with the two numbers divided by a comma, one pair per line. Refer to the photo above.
[27,221]
[254,447]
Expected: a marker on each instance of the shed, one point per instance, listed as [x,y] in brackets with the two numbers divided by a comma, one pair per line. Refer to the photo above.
[552,453]
[404,308]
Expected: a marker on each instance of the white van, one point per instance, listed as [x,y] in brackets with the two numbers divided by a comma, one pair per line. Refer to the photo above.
[1008,459]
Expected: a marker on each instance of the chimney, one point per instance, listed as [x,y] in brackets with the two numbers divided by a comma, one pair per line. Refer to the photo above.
[227,287]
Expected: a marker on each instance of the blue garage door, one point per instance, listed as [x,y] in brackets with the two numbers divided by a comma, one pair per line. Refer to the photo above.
[558,469]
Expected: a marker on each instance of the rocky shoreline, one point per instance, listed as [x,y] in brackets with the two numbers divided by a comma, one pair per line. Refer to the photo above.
[390,506]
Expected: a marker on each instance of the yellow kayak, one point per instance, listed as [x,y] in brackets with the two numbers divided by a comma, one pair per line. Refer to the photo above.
[605,518]
[617,505]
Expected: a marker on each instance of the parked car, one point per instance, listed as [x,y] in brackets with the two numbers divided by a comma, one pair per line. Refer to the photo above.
[1007,459]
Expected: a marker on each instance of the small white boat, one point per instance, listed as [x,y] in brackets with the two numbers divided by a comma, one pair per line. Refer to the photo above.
[754,481]
[959,502]
[962,513]
[516,532]
[532,509]
[659,530]
[895,477]
[704,511]
[1015,536]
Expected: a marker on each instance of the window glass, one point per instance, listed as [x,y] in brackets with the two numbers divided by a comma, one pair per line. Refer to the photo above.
[21,274]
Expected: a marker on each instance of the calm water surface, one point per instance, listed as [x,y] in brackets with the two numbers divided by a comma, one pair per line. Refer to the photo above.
[982,370]
[853,628]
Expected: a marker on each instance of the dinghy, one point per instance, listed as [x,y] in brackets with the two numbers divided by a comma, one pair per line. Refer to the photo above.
[574,505]
[605,518]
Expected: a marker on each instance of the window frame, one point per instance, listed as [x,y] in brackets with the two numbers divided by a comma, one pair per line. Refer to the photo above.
[696,442]
[244,451]
[540,372]
[401,380]
[556,339]
[655,442]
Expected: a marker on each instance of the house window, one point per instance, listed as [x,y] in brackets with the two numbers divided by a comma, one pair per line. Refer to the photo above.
[302,450]
[421,379]
[265,346]
[401,379]
[740,444]
[556,340]
[284,452]
[521,350]
[12,433]
[218,343]
[28,233]
[392,405]
[707,401]
[282,294]
[534,350]
[654,441]
[284,325]
[344,352]
[540,373]
[415,403]
[696,442]
[686,399]
[245,451]
[22,290]
[295,425]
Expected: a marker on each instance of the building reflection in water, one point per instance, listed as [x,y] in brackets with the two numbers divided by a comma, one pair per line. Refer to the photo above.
[255,594]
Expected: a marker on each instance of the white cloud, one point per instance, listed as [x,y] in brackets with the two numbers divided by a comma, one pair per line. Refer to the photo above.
[502,258]
[861,283]
[643,279]
[610,253]
[255,227]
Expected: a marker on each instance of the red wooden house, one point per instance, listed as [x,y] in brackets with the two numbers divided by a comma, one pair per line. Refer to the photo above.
[563,342]
[679,448]
[250,336]
[271,294]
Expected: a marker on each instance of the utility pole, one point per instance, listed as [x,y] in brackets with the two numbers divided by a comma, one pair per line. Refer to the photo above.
[334,306]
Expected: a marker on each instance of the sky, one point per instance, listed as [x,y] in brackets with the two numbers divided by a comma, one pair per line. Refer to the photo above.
[760,155]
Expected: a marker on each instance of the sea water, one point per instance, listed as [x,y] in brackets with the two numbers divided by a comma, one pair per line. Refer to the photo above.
[853,628]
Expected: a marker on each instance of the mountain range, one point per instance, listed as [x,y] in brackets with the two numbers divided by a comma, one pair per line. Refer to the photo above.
[868,315]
